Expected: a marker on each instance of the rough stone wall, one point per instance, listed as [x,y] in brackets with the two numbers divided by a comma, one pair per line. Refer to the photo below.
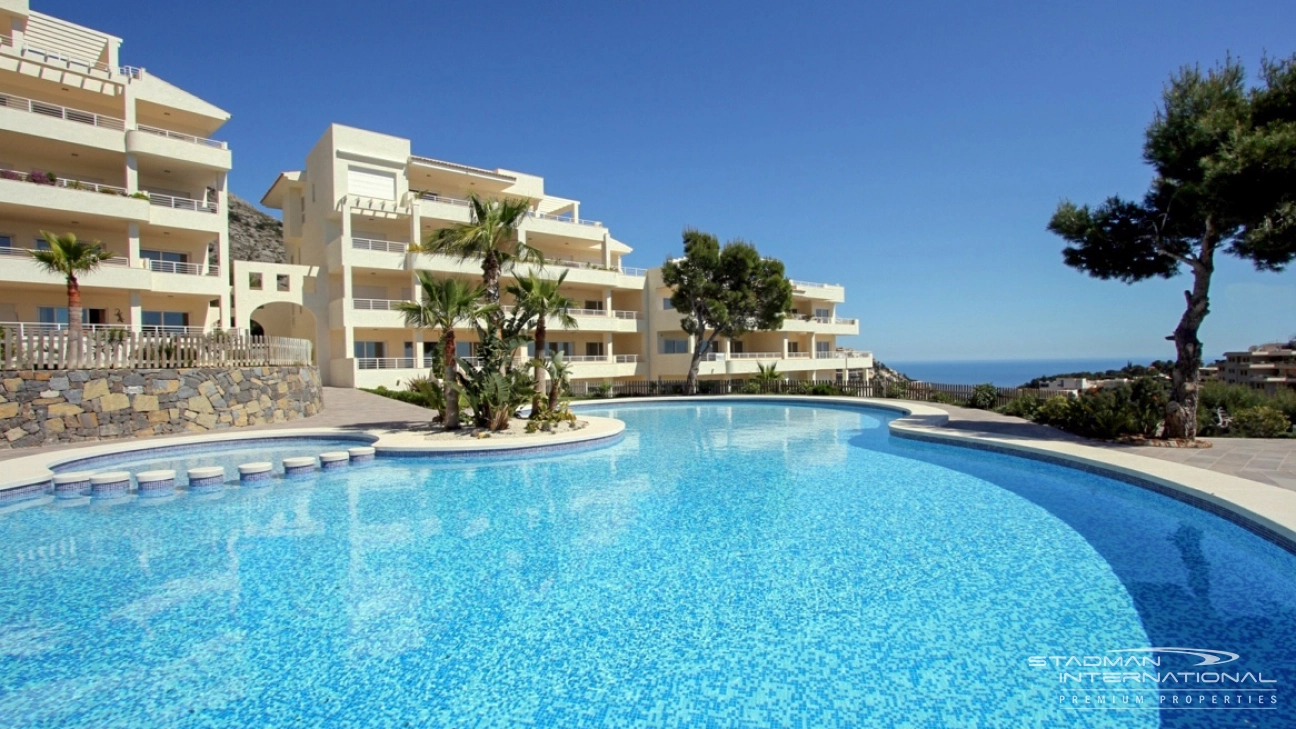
[45,407]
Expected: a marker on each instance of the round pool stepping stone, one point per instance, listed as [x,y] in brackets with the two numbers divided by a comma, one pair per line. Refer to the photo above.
[71,485]
[258,472]
[156,483]
[334,459]
[299,466]
[206,478]
[110,484]
[361,454]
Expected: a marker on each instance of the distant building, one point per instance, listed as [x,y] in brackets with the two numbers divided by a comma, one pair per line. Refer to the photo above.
[1074,385]
[1265,367]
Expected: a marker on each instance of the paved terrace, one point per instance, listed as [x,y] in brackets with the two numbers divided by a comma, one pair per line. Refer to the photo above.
[1267,461]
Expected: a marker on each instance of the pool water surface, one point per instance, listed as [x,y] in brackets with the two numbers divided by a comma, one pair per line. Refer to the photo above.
[723,565]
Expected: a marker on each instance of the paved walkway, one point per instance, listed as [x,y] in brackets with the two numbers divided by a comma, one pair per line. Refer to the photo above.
[1264,460]
[1267,460]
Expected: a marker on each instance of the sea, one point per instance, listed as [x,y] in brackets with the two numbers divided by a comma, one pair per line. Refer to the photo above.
[1005,372]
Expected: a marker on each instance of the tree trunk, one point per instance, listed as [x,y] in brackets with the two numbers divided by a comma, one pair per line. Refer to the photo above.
[75,332]
[699,348]
[450,384]
[1181,411]
[540,336]
[490,277]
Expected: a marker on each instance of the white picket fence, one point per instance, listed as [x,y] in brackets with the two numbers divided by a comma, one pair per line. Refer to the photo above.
[121,349]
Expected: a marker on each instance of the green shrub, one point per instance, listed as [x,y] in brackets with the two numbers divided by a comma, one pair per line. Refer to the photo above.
[984,397]
[944,398]
[751,387]
[1022,406]
[1261,422]
[412,398]
[821,388]
[1055,411]
[895,391]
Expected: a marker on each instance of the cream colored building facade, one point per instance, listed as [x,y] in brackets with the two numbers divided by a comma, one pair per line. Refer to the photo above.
[351,215]
[111,153]
[1267,367]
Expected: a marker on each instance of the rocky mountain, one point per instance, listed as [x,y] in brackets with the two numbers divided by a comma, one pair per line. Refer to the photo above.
[254,236]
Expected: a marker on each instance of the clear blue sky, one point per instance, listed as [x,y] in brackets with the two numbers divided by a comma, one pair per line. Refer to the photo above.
[910,151]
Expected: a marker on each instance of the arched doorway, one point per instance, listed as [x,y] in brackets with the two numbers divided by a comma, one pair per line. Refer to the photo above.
[281,319]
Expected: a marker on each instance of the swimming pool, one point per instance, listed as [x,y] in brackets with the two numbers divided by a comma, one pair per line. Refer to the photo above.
[734,564]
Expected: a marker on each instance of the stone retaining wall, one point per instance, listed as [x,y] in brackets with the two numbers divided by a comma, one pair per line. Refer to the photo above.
[45,407]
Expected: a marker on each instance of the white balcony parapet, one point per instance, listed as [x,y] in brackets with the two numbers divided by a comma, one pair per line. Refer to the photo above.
[31,106]
[627,358]
[181,137]
[188,269]
[563,219]
[592,266]
[842,355]
[798,355]
[433,197]
[813,284]
[71,184]
[386,246]
[833,320]
[624,314]
[377,304]
[55,58]
[181,203]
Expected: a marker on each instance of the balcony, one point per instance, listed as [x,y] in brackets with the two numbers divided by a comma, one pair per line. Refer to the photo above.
[23,328]
[818,291]
[73,126]
[184,269]
[69,195]
[182,212]
[383,254]
[820,324]
[149,141]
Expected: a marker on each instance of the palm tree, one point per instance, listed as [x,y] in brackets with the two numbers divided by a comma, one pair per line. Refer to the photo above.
[558,372]
[543,299]
[766,376]
[492,236]
[69,257]
[446,303]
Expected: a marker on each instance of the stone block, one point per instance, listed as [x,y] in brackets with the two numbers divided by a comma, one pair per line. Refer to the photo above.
[207,420]
[201,404]
[14,434]
[145,403]
[113,402]
[59,383]
[94,388]
[46,400]
[133,380]
[73,396]
[54,425]
[159,416]
[89,420]
[78,376]
[8,410]
[63,409]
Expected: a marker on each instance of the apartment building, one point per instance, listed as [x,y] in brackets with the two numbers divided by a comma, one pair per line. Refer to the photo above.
[110,153]
[351,215]
[1265,367]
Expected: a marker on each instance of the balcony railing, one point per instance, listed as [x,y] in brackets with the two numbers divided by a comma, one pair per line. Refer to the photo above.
[812,284]
[377,304]
[31,106]
[26,253]
[563,219]
[71,184]
[627,358]
[203,141]
[623,314]
[188,269]
[182,203]
[391,363]
[832,320]
[24,327]
[385,246]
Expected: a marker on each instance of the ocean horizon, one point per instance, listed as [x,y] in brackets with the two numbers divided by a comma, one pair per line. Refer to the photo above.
[1007,372]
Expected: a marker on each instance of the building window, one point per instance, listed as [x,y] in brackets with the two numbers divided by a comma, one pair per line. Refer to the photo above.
[6,241]
[674,346]
[164,321]
[59,315]
[666,304]
[370,350]
[165,261]
[593,349]
[823,313]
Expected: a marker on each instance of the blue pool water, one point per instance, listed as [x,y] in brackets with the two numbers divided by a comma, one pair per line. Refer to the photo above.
[735,565]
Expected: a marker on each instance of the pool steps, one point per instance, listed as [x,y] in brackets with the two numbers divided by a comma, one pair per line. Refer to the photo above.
[205,480]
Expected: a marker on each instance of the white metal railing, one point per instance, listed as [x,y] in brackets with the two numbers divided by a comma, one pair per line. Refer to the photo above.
[812,284]
[133,72]
[798,355]
[188,269]
[387,363]
[589,312]
[627,358]
[14,251]
[624,314]
[587,358]
[385,246]
[833,320]
[182,203]
[433,197]
[31,106]
[203,141]
[755,355]
[56,58]
[632,271]
[377,304]
[122,261]
[563,219]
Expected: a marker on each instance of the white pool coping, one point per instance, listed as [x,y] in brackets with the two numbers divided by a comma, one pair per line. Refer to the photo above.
[38,468]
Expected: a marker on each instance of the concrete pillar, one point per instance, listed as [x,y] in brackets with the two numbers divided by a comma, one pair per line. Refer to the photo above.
[607,347]
[785,341]
[136,311]
[418,347]
[132,172]
[607,252]
[607,302]
[133,244]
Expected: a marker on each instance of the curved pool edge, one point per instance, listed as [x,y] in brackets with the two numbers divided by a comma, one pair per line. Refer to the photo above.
[30,476]
[1265,510]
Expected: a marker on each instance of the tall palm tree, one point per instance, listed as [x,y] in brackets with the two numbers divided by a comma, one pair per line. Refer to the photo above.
[445,304]
[492,236]
[543,299]
[69,257]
